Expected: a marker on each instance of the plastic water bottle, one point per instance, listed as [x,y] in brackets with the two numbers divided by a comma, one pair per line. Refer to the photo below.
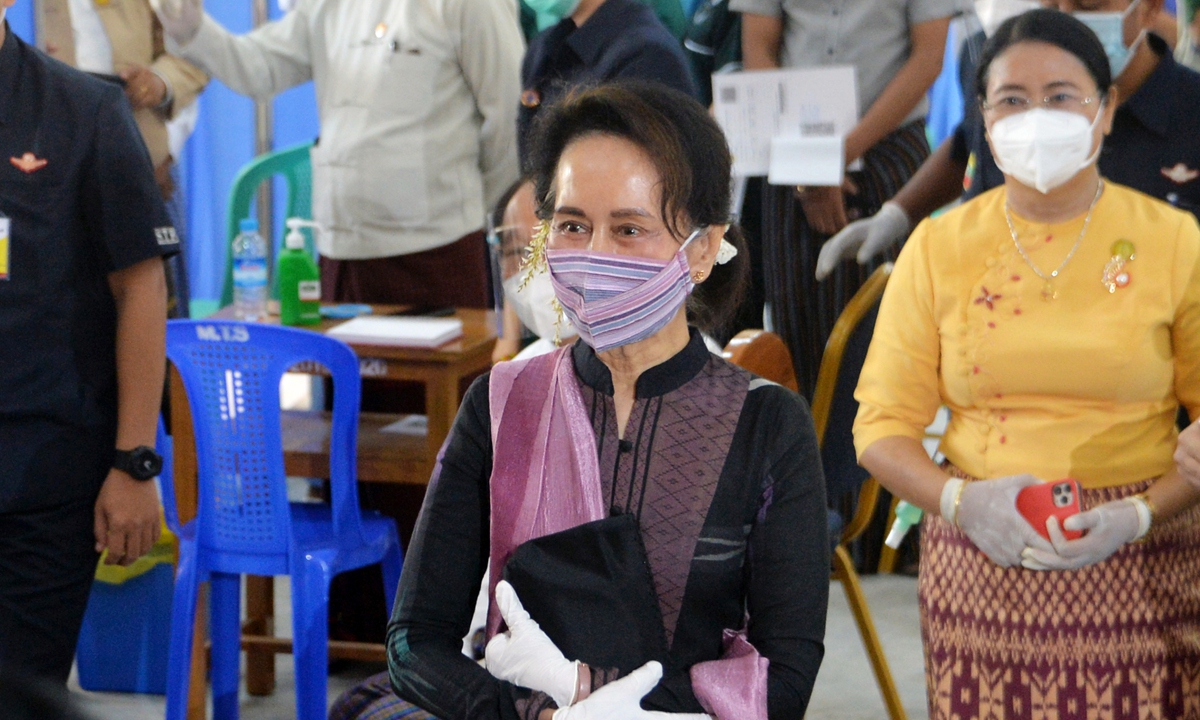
[249,273]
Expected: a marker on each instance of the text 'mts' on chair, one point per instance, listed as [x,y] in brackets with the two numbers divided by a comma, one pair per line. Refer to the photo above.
[833,409]
[244,522]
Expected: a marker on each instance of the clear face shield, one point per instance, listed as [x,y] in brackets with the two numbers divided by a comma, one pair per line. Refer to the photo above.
[506,247]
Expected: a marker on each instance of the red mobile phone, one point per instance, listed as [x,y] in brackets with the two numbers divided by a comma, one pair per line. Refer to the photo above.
[1060,499]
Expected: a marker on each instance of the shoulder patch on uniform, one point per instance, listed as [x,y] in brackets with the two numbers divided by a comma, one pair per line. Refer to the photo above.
[166,235]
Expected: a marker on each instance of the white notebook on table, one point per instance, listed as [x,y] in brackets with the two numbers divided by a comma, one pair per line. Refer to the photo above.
[401,331]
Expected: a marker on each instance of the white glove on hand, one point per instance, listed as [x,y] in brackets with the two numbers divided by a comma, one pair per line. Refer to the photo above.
[180,18]
[622,700]
[525,656]
[988,514]
[869,237]
[1108,526]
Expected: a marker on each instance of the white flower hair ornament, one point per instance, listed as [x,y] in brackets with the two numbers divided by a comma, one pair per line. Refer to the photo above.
[726,251]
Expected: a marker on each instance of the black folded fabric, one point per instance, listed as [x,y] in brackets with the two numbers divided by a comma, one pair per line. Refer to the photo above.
[591,590]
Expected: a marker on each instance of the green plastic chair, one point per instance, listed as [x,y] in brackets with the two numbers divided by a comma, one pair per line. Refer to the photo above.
[294,164]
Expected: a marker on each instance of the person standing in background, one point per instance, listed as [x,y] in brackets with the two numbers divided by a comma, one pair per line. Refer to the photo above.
[83,320]
[417,105]
[598,40]
[123,40]
[1153,146]
[896,48]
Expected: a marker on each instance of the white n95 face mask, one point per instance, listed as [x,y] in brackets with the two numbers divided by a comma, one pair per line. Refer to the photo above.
[1044,148]
[535,306]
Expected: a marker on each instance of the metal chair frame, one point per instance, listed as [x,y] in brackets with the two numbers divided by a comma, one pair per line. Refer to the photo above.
[765,354]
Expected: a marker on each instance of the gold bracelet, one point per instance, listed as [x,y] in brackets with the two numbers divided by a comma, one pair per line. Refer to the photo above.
[1141,500]
[1149,506]
[958,501]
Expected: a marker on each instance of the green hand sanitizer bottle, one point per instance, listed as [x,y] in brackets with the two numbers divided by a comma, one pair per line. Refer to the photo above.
[299,278]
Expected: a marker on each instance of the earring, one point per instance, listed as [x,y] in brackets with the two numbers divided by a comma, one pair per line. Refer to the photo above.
[698,276]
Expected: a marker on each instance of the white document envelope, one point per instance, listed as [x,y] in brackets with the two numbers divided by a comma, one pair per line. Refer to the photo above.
[806,160]
[755,107]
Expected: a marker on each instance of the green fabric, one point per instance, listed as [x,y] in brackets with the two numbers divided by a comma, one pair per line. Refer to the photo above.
[529,23]
[669,12]
[713,42]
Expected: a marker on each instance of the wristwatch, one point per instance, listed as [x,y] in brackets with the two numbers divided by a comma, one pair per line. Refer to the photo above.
[141,463]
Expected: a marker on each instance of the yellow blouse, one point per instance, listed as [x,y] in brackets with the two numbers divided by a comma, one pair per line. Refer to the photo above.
[1085,386]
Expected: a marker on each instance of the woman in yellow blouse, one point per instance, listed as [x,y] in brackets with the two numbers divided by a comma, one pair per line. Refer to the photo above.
[1059,318]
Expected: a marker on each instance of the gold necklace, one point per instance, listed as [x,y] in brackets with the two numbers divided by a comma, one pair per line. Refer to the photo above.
[1048,291]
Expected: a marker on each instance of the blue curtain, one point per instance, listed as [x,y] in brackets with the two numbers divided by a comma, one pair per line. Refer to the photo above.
[20,20]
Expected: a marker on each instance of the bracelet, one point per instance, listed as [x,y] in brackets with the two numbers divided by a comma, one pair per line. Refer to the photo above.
[1145,510]
[950,499]
[958,500]
[583,683]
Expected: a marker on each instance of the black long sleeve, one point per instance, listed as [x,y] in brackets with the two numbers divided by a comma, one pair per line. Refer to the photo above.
[763,546]
[440,581]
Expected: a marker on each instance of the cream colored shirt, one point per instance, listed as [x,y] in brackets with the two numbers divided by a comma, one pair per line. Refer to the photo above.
[93,52]
[418,106]
[1084,386]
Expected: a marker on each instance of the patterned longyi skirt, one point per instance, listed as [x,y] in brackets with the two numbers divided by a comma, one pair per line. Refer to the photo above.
[1118,639]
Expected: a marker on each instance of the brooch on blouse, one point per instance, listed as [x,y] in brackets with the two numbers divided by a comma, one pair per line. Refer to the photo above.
[1116,270]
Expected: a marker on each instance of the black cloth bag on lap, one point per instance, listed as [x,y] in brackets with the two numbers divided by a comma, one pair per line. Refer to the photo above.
[590,590]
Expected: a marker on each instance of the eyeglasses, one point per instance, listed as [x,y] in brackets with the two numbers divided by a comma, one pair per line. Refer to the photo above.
[1014,104]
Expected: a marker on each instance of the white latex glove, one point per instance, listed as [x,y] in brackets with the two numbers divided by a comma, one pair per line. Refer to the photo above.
[1108,526]
[1187,454]
[868,237]
[988,514]
[525,656]
[622,700]
[180,18]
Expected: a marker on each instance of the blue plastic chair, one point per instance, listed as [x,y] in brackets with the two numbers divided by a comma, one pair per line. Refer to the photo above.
[244,523]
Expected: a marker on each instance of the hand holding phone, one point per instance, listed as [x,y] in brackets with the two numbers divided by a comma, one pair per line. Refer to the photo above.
[1059,498]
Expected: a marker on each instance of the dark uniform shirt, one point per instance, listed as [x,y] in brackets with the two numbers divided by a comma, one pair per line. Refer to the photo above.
[77,187]
[1154,146]
[622,39]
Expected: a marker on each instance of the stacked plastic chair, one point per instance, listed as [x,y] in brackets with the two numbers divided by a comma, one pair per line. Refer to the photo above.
[244,523]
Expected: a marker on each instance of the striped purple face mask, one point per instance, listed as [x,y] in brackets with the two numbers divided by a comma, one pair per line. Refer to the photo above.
[615,300]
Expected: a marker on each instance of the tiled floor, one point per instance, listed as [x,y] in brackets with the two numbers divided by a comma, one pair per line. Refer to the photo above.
[845,687]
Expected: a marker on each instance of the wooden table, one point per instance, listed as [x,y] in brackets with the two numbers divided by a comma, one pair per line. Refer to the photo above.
[382,457]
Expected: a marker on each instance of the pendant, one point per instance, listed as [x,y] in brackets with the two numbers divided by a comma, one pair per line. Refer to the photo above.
[1048,291]
[380,30]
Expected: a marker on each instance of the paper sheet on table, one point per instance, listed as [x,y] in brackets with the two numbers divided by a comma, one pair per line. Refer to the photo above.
[754,107]
[416,425]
